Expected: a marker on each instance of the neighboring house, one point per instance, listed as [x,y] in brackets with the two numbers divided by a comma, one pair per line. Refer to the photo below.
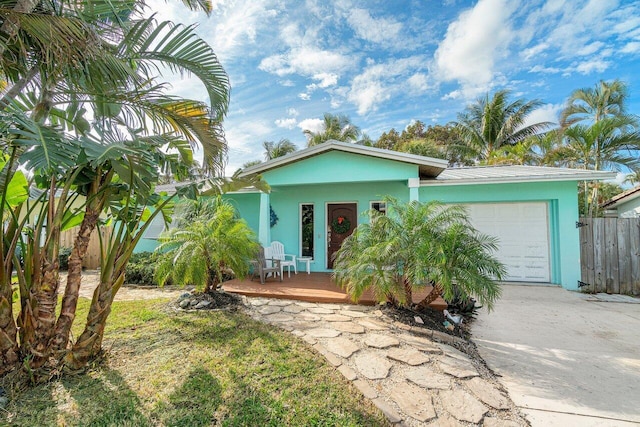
[624,205]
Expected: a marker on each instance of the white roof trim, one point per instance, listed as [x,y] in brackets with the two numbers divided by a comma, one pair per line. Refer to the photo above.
[398,156]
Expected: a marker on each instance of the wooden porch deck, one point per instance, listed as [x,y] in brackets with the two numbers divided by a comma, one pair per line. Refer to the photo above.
[314,287]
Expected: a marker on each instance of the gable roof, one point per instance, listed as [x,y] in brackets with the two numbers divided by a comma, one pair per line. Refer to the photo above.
[625,196]
[428,166]
[514,173]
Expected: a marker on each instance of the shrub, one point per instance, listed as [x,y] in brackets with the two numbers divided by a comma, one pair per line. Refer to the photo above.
[141,269]
[63,258]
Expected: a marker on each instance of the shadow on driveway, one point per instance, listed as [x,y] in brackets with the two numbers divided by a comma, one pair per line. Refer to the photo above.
[564,360]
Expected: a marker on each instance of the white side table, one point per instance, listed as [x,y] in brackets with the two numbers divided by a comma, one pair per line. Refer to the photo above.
[307,260]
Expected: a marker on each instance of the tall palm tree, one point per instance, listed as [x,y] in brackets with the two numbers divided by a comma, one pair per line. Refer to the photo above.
[604,100]
[611,143]
[492,123]
[273,150]
[414,245]
[337,127]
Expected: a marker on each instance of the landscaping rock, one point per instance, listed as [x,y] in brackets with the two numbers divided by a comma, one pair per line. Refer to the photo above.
[202,304]
[371,365]
[409,356]
[183,296]
[424,376]
[308,317]
[343,347]
[418,320]
[330,357]
[352,313]
[497,422]
[420,343]
[279,318]
[348,327]
[193,303]
[257,302]
[487,393]
[280,302]
[392,415]
[413,401]
[323,333]
[320,310]
[457,368]
[445,420]
[462,405]
[380,341]
[185,303]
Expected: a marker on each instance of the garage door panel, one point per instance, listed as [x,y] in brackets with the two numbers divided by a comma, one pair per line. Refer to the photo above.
[522,230]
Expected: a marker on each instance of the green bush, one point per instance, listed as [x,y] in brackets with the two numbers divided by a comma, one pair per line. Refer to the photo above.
[63,258]
[141,269]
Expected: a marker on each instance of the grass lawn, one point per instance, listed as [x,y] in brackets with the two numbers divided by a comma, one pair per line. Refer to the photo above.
[194,369]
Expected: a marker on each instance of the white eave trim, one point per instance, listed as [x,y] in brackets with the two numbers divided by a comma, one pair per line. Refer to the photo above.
[515,179]
[349,148]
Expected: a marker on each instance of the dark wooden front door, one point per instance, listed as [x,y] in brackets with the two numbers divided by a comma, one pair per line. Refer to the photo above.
[344,218]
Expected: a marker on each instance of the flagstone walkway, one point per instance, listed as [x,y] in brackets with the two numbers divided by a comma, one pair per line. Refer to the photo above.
[414,380]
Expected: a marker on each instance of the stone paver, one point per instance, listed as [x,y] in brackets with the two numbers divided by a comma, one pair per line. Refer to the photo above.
[336,318]
[413,380]
[392,415]
[381,341]
[413,401]
[462,405]
[347,372]
[371,365]
[269,309]
[350,327]
[409,356]
[487,393]
[341,346]
[364,387]
[323,332]
[293,308]
[426,377]
[372,325]
[457,368]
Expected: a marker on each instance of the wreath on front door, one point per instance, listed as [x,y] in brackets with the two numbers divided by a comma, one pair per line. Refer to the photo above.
[340,225]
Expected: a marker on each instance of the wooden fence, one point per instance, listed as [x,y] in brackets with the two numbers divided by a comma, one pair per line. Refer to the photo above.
[610,255]
[92,259]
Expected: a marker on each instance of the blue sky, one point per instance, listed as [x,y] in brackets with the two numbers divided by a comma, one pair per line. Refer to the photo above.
[388,63]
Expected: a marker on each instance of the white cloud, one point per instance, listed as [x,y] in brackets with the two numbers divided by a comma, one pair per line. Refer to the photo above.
[534,51]
[592,66]
[304,96]
[380,30]
[631,47]
[546,113]
[379,82]
[306,61]
[293,112]
[289,123]
[313,125]
[545,70]
[326,79]
[472,45]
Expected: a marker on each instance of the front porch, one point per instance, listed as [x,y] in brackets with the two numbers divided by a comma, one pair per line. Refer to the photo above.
[314,287]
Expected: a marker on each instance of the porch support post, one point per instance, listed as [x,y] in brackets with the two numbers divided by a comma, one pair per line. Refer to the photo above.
[414,187]
[264,226]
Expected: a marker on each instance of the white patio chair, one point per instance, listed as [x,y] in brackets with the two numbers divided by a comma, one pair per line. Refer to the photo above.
[286,260]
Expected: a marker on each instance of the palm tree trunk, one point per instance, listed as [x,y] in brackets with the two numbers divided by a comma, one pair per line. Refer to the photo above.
[408,292]
[8,331]
[431,297]
[74,277]
[89,343]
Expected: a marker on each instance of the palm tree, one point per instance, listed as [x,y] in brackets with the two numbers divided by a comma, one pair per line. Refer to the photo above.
[611,143]
[414,245]
[336,127]
[491,124]
[632,178]
[606,99]
[213,241]
[273,150]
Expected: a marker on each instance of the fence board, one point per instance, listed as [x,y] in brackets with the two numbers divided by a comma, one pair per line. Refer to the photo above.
[610,254]
[92,258]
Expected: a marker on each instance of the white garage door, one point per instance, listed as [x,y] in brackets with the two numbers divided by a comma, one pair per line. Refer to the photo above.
[523,233]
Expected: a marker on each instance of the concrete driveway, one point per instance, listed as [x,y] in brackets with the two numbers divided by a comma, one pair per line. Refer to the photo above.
[565,361]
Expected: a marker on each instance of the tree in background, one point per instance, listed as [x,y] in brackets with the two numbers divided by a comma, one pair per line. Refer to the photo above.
[273,150]
[336,127]
[493,123]
[606,99]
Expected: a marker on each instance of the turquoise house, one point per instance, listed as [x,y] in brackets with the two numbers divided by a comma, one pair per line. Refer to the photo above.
[320,194]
